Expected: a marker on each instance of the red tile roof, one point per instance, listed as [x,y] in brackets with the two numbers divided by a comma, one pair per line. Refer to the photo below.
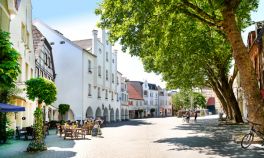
[133,92]
[211,101]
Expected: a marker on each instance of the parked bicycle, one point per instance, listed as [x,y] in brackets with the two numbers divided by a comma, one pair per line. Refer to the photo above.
[248,138]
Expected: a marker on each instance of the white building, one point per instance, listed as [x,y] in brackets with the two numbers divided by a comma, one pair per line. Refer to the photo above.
[165,103]
[123,96]
[86,72]
[21,37]
[150,94]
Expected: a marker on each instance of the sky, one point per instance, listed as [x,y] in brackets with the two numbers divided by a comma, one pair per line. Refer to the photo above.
[76,20]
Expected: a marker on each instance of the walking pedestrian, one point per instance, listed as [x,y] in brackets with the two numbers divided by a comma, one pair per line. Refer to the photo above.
[195,115]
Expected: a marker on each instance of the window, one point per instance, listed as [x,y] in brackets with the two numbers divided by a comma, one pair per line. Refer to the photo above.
[106,56]
[31,73]
[113,61]
[37,72]
[100,51]
[117,97]
[106,94]
[145,93]
[89,90]
[45,58]
[113,78]
[27,72]
[99,92]
[48,62]
[106,74]
[99,71]
[89,66]
[112,96]
[23,32]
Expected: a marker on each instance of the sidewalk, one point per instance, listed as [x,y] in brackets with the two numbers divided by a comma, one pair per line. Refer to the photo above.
[17,148]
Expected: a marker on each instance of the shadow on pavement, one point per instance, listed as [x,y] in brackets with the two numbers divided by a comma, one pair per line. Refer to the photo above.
[44,154]
[129,123]
[216,141]
[54,140]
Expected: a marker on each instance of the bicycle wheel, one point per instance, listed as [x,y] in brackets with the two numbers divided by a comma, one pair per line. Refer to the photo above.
[247,140]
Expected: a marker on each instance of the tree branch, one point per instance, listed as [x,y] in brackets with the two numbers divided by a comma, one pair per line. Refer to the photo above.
[203,14]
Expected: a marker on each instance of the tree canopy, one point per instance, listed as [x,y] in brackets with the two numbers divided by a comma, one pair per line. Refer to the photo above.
[9,66]
[63,108]
[141,24]
[187,99]
[41,89]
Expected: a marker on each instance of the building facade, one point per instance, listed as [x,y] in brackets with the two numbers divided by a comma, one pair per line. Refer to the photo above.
[22,40]
[8,10]
[86,75]
[123,96]
[136,105]
[44,67]
[256,53]
[165,103]
[151,96]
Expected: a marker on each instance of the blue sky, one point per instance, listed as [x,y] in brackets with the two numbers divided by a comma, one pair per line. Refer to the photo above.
[62,9]
[76,20]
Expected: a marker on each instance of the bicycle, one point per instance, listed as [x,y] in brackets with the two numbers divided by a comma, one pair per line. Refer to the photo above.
[185,119]
[249,137]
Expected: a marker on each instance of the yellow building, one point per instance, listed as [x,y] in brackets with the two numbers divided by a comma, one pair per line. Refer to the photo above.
[4,15]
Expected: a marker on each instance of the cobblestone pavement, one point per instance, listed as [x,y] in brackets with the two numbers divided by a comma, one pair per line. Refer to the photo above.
[146,138]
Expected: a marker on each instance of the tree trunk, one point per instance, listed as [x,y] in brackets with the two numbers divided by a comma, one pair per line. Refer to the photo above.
[231,99]
[247,73]
[222,100]
[226,95]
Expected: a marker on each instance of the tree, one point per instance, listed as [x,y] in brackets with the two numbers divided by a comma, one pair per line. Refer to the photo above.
[44,91]
[187,99]
[198,100]
[181,100]
[127,19]
[161,33]
[9,71]
[63,108]
[9,66]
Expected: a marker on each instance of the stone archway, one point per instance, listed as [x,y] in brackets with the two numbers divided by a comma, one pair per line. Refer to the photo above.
[122,114]
[117,115]
[89,112]
[106,115]
[98,112]
[70,115]
[112,115]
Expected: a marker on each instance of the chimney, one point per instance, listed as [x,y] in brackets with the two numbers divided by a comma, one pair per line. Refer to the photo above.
[94,42]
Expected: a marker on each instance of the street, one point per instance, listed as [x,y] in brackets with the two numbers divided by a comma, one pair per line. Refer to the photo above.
[147,138]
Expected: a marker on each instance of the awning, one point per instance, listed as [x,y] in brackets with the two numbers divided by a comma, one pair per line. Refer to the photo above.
[10,108]
[211,101]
